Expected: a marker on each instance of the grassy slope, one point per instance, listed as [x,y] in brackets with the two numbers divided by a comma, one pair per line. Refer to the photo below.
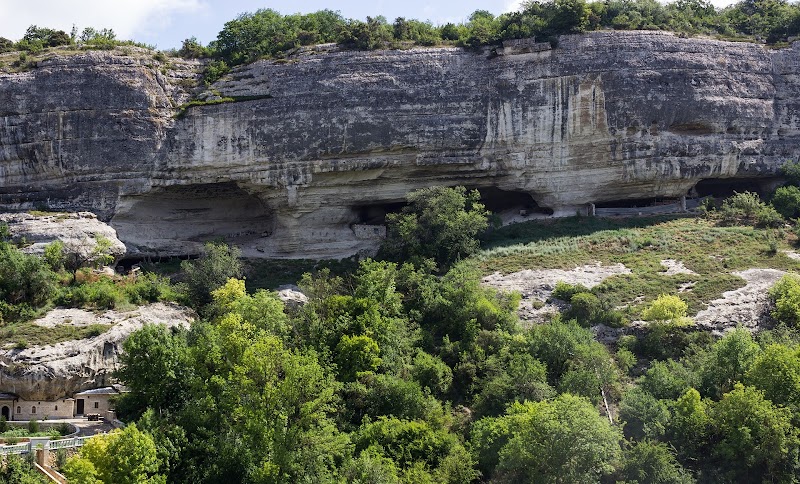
[712,251]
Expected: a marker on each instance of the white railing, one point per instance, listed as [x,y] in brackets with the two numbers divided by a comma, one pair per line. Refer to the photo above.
[22,448]
[67,443]
[25,447]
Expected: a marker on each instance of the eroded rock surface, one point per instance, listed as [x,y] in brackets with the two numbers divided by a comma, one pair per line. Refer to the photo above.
[536,286]
[319,148]
[55,371]
[747,306]
[78,231]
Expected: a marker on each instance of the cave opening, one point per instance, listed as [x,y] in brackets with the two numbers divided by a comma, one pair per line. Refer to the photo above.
[637,202]
[510,202]
[176,220]
[726,187]
[375,214]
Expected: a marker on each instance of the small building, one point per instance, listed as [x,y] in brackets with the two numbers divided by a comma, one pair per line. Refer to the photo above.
[8,402]
[42,410]
[97,400]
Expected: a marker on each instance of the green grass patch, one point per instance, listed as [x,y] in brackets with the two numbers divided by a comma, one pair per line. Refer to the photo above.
[713,252]
[183,108]
[22,335]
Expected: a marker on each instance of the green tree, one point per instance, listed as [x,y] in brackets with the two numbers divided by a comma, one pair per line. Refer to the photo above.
[440,223]
[24,278]
[776,371]
[643,414]
[155,365]
[217,264]
[728,362]
[785,294]
[649,462]
[667,309]
[756,439]
[563,440]
[690,424]
[356,354]
[511,377]
[786,201]
[125,456]
[431,373]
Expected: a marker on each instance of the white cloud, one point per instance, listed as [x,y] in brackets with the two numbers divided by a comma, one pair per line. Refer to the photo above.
[126,17]
[513,6]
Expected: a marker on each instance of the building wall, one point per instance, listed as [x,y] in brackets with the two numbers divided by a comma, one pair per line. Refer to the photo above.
[89,401]
[24,409]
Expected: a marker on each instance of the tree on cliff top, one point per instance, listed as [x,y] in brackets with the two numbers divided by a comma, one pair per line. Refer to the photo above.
[439,223]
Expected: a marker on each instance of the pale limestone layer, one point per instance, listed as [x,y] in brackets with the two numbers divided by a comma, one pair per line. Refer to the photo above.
[321,146]
[51,372]
[747,306]
[79,232]
[536,286]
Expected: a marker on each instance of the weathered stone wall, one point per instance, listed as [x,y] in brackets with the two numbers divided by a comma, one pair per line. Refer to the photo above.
[604,116]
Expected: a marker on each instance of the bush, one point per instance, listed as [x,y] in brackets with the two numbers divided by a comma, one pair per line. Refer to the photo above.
[786,201]
[667,309]
[652,462]
[431,373]
[439,223]
[785,295]
[565,291]
[218,263]
[767,216]
[33,426]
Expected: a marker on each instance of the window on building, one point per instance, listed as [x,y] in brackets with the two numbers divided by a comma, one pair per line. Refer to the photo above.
[96,404]
[56,407]
[19,409]
[33,409]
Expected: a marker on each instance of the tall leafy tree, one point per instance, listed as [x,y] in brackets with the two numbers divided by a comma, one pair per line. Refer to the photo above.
[439,223]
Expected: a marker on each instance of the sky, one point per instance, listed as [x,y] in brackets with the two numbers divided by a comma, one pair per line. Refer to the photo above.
[166,23]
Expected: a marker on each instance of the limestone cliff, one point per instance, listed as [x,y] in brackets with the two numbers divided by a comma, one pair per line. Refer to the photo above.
[60,370]
[316,149]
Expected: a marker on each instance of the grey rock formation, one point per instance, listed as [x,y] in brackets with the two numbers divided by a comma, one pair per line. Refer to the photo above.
[330,141]
[56,371]
[78,231]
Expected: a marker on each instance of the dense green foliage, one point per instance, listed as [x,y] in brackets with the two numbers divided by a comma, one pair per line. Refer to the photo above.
[439,223]
[412,372]
[267,33]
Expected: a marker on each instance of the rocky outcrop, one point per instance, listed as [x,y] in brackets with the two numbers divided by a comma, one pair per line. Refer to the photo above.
[79,232]
[324,142]
[57,371]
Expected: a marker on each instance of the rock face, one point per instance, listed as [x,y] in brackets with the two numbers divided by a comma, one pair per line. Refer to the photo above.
[78,231]
[51,372]
[316,150]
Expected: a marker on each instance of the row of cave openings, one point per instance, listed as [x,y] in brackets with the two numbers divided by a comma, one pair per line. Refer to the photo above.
[225,211]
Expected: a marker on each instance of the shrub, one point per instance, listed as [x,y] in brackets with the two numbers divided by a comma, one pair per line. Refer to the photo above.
[653,462]
[786,201]
[218,263]
[667,309]
[431,373]
[767,216]
[439,223]
[33,426]
[565,291]
[791,170]
[785,294]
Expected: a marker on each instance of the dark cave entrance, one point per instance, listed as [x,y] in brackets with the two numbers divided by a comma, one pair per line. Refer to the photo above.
[726,187]
[510,202]
[375,214]
[637,202]
[172,220]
